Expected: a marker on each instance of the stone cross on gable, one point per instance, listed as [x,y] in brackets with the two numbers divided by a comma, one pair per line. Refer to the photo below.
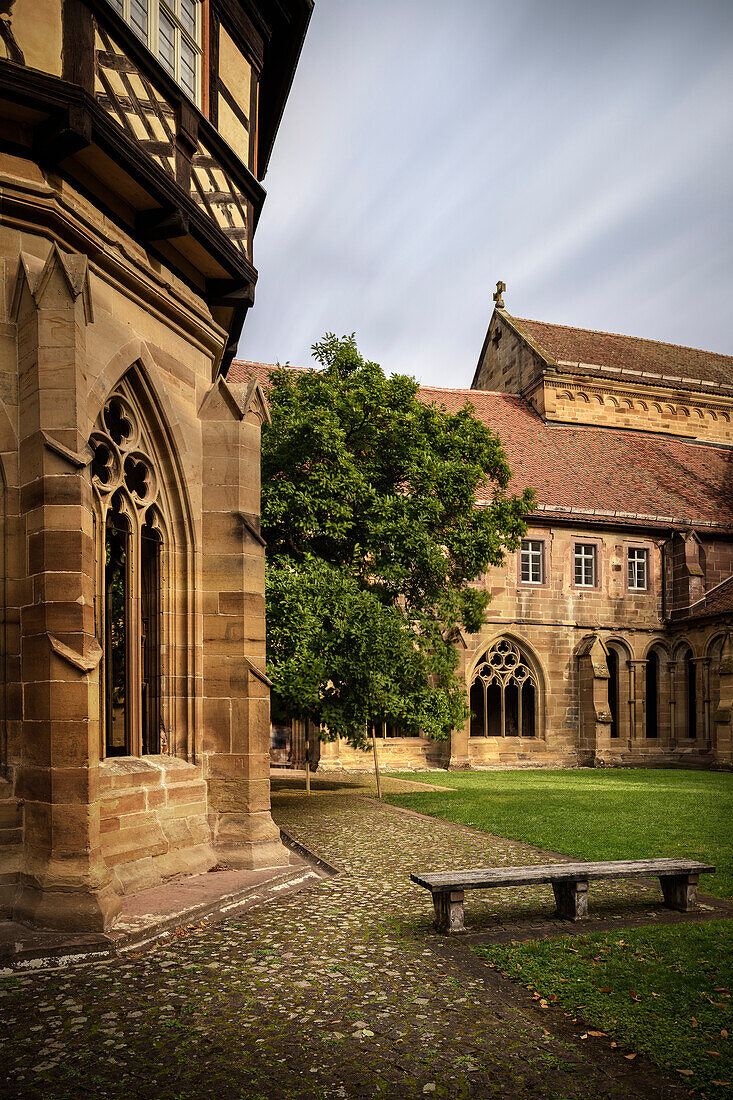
[500,288]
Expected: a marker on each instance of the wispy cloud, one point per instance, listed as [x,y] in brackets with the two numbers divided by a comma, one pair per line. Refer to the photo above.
[582,152]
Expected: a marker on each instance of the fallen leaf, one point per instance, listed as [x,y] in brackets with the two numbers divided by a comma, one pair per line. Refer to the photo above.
[629,1057]
[584,1036]
[614,1045]
[597,1034]
[694,1022]
[686,1072]
[724,1032]
[604,989]
[713,1053]
[634,996]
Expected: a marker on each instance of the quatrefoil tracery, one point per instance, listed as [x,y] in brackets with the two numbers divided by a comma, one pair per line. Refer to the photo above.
[117,461]
[504,664]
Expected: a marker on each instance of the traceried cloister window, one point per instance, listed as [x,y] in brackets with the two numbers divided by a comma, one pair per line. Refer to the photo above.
[504,694]
[132,540]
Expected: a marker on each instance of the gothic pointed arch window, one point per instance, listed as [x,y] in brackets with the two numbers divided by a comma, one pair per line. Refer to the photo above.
[139,539]
[504,695]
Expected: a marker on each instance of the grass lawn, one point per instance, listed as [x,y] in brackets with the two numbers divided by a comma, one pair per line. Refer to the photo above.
[595,814]
[661,990]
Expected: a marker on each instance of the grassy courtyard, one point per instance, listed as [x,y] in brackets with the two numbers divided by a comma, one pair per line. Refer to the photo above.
[661,990]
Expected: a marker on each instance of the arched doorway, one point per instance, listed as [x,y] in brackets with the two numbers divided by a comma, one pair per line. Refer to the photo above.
[504,693]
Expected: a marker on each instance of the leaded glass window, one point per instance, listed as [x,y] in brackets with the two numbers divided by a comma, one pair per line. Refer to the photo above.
[171,29]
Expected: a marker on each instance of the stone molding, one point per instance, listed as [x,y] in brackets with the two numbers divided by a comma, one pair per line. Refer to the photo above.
[85,662]
[33,206]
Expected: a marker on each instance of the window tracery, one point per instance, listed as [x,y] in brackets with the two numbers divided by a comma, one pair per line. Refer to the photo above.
[130,579]
[504,693]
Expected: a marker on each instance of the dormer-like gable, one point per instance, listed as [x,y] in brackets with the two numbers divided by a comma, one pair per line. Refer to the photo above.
[580,376]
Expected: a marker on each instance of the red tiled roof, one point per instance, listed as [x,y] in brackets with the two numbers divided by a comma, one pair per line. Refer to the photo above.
[588,473]
[719,601]
[627,475]
[615,354]
[242,370]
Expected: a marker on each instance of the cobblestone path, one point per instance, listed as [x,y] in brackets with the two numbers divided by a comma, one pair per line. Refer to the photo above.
[333,992]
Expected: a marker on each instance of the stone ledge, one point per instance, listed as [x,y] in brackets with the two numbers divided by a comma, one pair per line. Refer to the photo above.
[158,913]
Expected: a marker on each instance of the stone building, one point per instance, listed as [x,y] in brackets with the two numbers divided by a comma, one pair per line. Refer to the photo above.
[134,709]
[607,636]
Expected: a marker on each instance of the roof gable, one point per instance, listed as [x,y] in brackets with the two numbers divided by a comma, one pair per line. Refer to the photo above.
[609,352]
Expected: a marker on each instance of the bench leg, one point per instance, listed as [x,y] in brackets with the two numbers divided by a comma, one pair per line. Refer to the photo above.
[680,891]
[571,899]
[448,911]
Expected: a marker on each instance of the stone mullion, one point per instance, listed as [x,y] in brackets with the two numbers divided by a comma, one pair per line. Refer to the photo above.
[636,701]
[702,688]
[672,674]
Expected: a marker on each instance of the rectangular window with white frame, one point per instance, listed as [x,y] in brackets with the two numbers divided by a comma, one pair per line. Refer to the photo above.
[586,570]
[171,29]
[532,560]
[638,569]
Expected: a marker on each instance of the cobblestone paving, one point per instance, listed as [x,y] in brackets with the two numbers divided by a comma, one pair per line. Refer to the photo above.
[333,992]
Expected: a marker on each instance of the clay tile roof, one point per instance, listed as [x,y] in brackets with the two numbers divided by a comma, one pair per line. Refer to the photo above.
[610,352]
[606,473]
[719,601]
[593,474]
[242,370]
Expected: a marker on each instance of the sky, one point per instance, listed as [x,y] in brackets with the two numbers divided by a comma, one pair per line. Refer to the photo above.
[579,150]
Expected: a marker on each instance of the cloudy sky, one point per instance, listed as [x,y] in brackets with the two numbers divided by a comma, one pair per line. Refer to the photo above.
[580,150]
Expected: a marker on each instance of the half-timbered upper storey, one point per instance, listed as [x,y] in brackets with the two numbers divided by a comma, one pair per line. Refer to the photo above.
[164,113]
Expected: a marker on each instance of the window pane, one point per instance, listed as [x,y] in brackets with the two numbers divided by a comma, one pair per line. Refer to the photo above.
[531,561]
[638,569]
[585,565]
[139,18]
[188,69]
[188,15]
[167,43]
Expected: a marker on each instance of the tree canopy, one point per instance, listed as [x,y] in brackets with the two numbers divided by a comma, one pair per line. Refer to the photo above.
[374,539]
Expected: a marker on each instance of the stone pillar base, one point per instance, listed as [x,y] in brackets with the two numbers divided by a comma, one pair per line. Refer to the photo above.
[248,841]
[459,764]
[70,909]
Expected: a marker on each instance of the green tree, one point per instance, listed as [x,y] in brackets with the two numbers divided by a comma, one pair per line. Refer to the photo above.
[374,539]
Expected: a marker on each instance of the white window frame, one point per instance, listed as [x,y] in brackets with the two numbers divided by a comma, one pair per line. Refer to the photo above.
[171,8]
[585,553]
[637,556]
[532,555]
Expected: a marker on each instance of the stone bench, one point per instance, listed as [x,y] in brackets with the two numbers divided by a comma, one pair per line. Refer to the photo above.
[678,879]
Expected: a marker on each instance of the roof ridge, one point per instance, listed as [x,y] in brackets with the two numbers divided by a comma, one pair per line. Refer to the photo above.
[622,335]
[470,389]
